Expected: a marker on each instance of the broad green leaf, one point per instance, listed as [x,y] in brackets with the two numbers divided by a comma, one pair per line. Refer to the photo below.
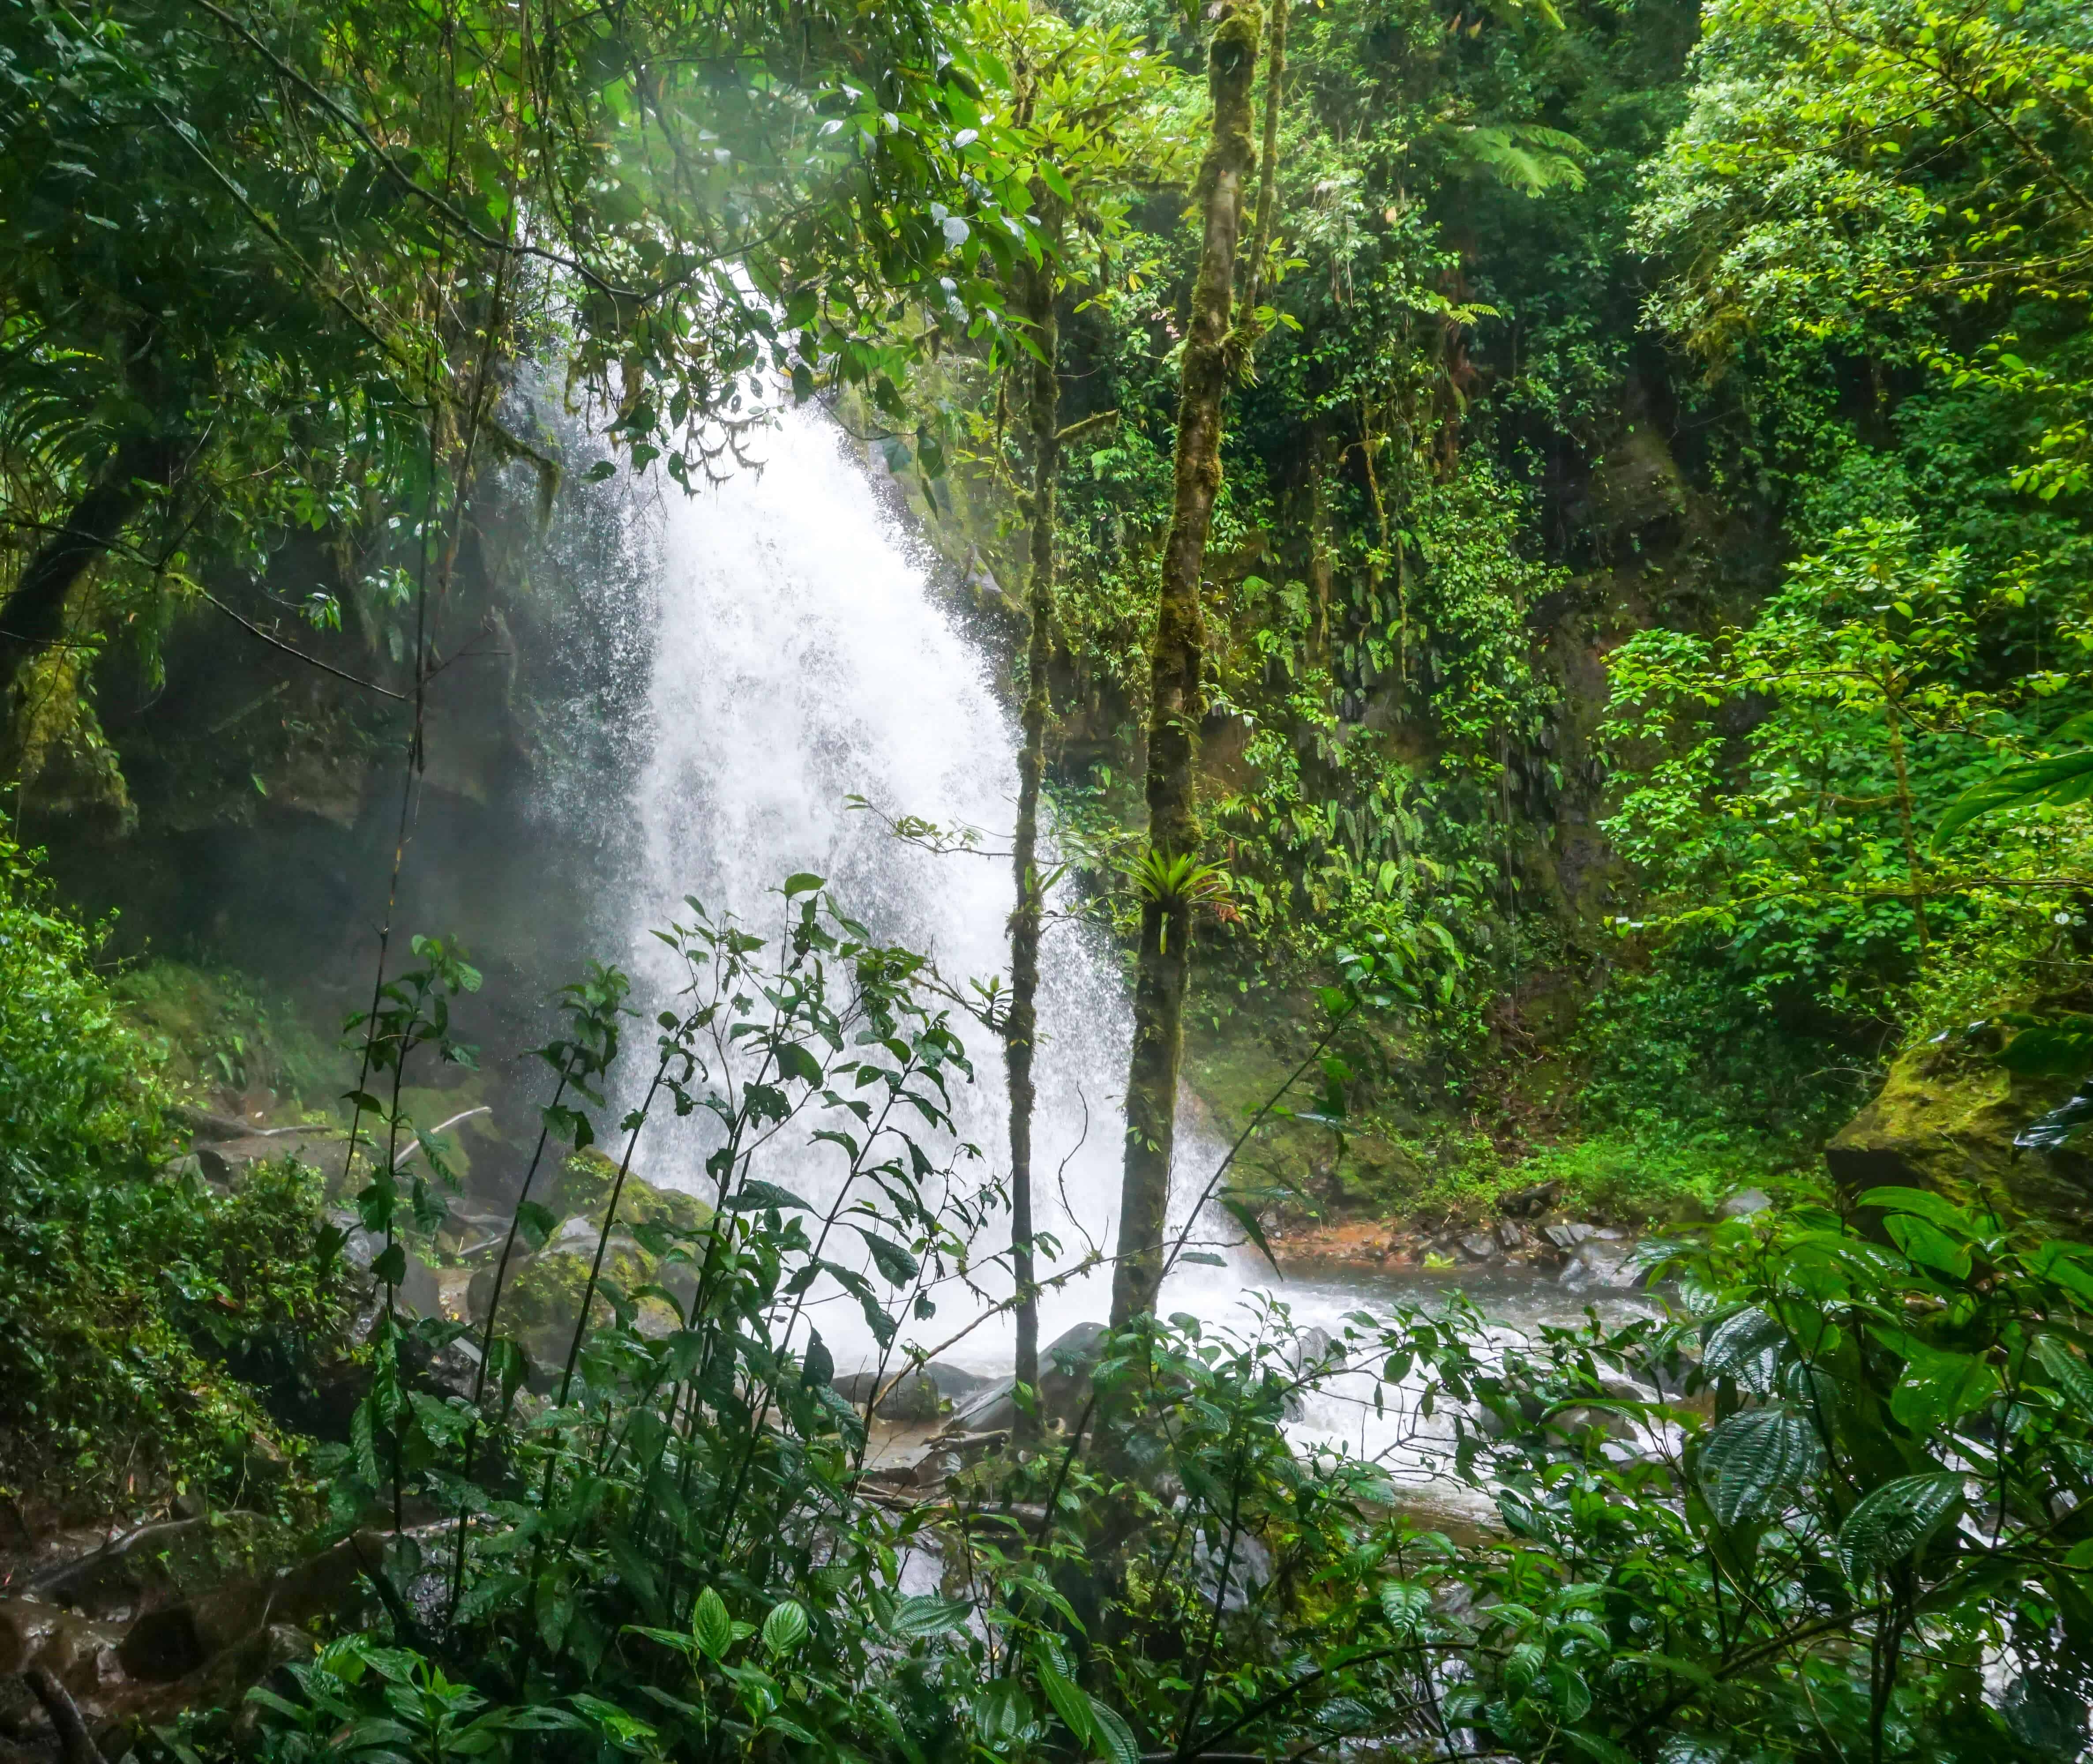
[756,1195]
[1405,1604]
[2057,782]
[1938,1389]
[1245,1215]
[786,1627]
[2073,1377]
[1108,1727]
[1746,1346]
[1896,1521]
[1069,1703]
[1002,1712]
[711,1627]
[1756,1458]
[1936,1209]
[895,1262]
[1929,1246]
[925,1614]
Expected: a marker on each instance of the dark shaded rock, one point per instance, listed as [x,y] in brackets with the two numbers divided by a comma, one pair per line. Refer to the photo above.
[1479,1246]
[1529,1201]
[1065,1366]
[161,1562]
[1510,1235]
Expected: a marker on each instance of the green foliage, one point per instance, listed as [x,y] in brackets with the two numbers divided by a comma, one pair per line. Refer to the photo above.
[146,1315]
[1792,769]
[212,1030]
[1860,1493]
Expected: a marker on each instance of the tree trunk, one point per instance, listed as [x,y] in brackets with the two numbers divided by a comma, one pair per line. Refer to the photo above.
[1043,411]
[32,617]
[1175,697]
[1268,166]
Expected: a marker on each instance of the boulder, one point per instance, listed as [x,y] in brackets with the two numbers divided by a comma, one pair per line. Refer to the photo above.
[1944,1120]
[226,1160]
[1569,1234]
[1480,1247]
[1065,1365]
[1510,1236]
[1597,1266]
[1528,1202]
[993,1406]
[419,1291]
[923,1394]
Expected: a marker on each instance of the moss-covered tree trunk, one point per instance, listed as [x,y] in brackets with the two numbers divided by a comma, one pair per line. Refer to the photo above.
[32,616]
[1175,697]
[1043,407]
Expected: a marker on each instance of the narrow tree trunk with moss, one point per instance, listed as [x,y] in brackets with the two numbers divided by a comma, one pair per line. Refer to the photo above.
[1268,170]
[1175,695]
[1020,1030]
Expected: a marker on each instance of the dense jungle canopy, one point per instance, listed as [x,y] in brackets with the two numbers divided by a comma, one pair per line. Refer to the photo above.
[1504,586]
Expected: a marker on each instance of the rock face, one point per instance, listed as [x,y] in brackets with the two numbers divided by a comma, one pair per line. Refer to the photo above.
[1944,1120]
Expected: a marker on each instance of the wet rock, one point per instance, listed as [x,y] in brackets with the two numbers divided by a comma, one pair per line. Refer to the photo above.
[1746,1202]
[1065,1365]
[453,1294]
[418,1290]
[938,1467]
[452,1370]
[25,1625]
[206,1124]
[470,1236]
[995,1406]
[1597,1266]
[922,1394]
[1528,1202]
[1248,1566]
[171,1643]
[77,1651]
[160,1563]
[227,1160]
[1568,1235]
[1480,1247]
[1510,1236]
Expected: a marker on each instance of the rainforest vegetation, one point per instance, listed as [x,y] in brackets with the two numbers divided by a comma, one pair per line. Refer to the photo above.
[1539,558]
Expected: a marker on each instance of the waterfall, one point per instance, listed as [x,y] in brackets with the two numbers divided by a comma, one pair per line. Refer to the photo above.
[799,661]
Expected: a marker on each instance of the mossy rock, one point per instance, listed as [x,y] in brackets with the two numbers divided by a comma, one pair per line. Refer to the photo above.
[1944,1120]
[543,1295]
[583,1189]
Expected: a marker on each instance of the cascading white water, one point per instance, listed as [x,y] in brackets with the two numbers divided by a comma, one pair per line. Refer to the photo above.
[799,661]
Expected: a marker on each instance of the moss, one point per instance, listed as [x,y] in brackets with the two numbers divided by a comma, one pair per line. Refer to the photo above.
[584,1187]
[1945,1119]
[541,1303]
[215,1032]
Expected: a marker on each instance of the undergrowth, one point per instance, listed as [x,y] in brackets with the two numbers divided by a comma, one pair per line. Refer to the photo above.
[139,1302]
